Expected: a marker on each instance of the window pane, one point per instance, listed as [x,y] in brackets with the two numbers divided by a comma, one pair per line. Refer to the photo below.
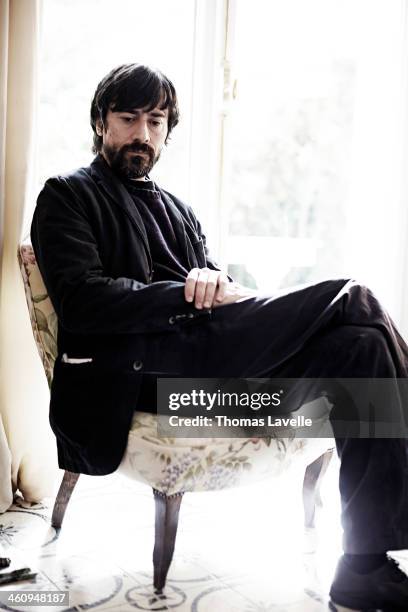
[297,66]
[82,41]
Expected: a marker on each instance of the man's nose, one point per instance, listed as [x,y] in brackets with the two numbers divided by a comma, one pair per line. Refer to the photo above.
[141,131]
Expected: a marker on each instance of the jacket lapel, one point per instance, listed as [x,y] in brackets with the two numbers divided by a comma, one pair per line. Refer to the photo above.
[114,188]
[180,224]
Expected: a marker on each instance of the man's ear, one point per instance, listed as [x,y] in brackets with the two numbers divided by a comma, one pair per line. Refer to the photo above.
[99,127]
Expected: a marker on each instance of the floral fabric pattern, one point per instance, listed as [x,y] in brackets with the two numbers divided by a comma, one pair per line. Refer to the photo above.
[174,465]
[42,314]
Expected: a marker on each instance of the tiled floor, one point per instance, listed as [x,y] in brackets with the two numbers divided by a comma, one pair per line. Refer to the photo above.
[237,551]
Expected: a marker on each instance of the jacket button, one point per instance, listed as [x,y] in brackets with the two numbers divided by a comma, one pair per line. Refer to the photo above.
[137,365]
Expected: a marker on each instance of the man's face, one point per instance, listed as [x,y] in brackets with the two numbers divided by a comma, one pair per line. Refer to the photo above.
[133,140]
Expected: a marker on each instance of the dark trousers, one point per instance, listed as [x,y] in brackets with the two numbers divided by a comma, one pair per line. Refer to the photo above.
[336,328]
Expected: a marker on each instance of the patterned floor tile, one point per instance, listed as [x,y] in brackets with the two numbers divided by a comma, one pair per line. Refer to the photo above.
[25,529]
[216,596]
[184,573]
[236,551]
[92,582]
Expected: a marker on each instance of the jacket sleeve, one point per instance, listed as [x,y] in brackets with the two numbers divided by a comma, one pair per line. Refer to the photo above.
[85,299]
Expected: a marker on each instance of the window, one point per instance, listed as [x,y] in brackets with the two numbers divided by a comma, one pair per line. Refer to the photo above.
[291,141]
[82,41]
[301,75]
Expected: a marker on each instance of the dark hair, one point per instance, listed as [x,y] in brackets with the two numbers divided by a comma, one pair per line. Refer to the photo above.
[133,86]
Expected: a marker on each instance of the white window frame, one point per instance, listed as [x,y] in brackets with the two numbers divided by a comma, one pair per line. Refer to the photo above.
[211,93]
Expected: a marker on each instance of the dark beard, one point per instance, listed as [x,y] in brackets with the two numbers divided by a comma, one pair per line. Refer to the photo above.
[131,166]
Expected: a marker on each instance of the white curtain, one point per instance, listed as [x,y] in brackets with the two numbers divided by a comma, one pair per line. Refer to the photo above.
[27,447]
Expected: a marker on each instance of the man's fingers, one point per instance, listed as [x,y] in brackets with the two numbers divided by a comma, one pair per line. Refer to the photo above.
[212,284]
[223,283]
[189,288]
[205,286]
[201,286]
[195,286]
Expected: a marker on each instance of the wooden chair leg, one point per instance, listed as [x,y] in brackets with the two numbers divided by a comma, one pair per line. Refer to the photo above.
[64,495]
[167,514]
[311,486]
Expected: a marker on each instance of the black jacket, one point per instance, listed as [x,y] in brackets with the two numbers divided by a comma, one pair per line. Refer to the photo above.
[93,254]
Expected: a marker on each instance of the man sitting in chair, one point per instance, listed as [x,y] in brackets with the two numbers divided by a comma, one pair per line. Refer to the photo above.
[138,297]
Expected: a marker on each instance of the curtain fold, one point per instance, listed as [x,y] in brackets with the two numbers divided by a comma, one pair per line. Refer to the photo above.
[27,447]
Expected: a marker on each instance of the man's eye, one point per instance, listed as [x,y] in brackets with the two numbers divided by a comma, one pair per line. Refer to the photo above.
[155,122]
[127,119]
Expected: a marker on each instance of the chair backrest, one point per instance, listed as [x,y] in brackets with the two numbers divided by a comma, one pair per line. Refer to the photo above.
[42,314]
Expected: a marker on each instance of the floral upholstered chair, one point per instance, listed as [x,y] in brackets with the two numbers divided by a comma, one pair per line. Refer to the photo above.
[174,466]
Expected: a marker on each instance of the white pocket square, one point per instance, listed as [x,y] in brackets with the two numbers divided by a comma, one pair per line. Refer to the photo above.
[67,359]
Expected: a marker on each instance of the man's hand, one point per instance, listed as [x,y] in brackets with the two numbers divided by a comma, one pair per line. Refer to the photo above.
[211,288]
